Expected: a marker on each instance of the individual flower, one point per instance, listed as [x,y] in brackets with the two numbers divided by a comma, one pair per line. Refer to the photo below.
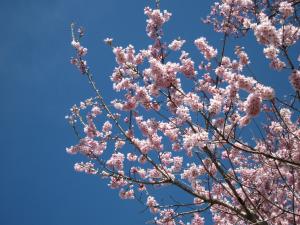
[286,9]
[253,104]
[176,45]
[295,79]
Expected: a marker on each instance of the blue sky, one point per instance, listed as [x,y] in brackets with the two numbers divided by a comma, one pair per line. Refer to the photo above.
[38,85]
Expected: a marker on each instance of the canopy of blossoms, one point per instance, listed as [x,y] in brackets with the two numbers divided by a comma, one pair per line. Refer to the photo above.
[212,131]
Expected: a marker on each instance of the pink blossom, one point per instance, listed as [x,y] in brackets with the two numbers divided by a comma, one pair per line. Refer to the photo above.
[116,161]
[215,105]
[169,130]
[253,105]
[197,220]
[126,194]
[88,146]
[187,67]
[193,101]
[120,55]
[75,44]
[208,51]
[266,93]
[96,110]
[87,167]
[80,50]
[119,144]
[117,182]
[166,158]
[142,159]
[142,173]
[118,105]
[289,34]
[286,115]
[176,146]
[166,217]
[155,21]
[295,79]
[191,173]
[152,204]
[275,127]
[286,8]
[183,113]
[265,32]
[154,173]
[78,61]
[106,127]
[244,59]
[131,157]
[271,52]
[277,64]
[176,45]
[177,163]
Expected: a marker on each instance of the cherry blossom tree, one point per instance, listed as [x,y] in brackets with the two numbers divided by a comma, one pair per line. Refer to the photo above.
[214,132]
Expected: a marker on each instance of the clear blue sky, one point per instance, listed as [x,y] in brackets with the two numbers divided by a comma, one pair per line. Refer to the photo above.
[38,85]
